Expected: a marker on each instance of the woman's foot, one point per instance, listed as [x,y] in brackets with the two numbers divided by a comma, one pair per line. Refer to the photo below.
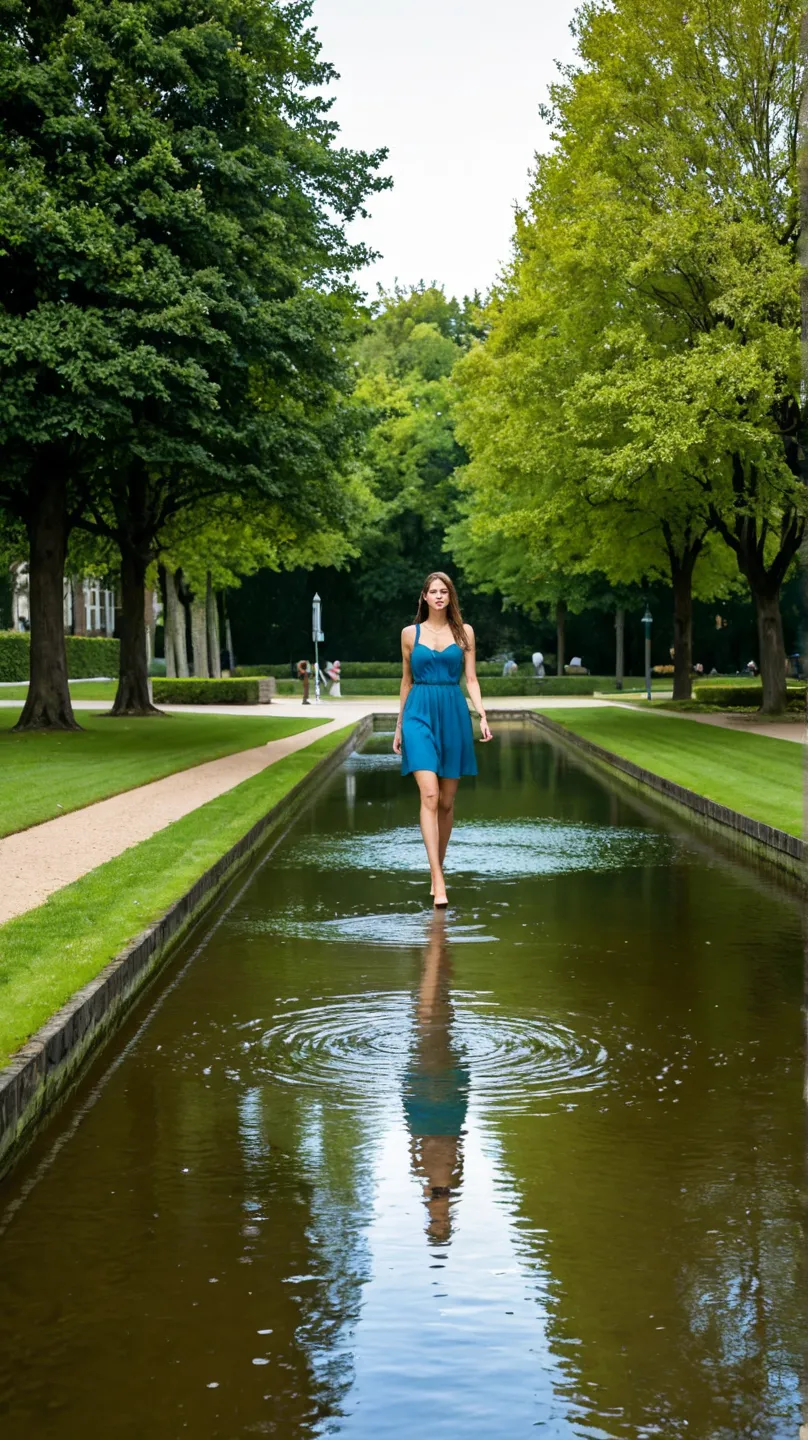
[440,898]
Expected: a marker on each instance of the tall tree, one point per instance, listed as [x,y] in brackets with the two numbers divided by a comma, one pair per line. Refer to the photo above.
[653,302]
[172,208]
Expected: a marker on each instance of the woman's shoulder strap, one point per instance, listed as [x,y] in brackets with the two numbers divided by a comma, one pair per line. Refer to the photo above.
[417,632]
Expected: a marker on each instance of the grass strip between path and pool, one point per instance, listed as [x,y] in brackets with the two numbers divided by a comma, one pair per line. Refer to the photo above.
[48,773]
[753,774]
[49,953]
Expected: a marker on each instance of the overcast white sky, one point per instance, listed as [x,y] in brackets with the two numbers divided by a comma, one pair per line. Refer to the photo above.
[452,88]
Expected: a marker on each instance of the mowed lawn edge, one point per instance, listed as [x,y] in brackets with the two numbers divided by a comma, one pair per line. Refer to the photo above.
[47,954]
[46,774]
[756,775]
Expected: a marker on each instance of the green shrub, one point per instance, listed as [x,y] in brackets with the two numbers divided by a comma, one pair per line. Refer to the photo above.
[372,686]
[553,685]
[730,697]
[491,686]
[280,672]
[88,656]
[205,692]
[14,651]
[92,655]
[358,675]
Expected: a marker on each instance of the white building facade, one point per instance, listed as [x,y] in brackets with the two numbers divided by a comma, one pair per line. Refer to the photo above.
[89,607]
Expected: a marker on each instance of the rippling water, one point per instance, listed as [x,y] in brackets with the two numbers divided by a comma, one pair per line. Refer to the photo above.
[536,1166]
[361,1044]
[494,848]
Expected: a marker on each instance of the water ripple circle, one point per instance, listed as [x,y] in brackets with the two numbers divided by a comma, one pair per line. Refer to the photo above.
[361,1049]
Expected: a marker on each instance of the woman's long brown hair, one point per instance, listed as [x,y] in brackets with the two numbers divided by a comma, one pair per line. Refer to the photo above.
[452,611]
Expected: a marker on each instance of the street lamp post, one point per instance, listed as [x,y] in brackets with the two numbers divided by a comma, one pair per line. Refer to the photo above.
[316,635]
[647,621]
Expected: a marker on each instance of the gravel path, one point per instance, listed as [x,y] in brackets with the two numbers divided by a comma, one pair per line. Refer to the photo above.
[36,862]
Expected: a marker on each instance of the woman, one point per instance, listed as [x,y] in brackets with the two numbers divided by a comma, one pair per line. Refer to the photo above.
[433,735]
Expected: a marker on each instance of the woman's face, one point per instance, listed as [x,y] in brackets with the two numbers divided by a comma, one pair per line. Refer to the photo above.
[437,595]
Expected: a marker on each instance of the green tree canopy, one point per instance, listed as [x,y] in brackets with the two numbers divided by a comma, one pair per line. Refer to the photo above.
[176,277]
[639,389]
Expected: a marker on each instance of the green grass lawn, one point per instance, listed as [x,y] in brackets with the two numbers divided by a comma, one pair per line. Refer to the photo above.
[52,951]
[43,775]
[754,774]
[79,690]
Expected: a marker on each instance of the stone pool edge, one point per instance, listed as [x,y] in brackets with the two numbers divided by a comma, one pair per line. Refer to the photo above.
[777,847]
[41,1072]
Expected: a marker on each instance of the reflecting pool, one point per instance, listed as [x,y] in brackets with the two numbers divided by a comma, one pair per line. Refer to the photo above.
[536,1165]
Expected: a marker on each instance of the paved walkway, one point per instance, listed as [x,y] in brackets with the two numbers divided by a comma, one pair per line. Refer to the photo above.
[34,863]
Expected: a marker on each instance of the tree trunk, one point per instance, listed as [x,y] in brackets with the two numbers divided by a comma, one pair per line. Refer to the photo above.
[228,635]
[620,657]
[199,638]
[765,574]
[167,582]
[48,706]
[561,627]
[133,697]
[772,652]
[682,579]
[175,624]
[212,616]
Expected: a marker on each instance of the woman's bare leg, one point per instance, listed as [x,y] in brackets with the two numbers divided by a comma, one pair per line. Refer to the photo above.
[429,787]
[446,799]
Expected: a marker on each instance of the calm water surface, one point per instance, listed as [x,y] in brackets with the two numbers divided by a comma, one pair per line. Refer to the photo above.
[533,1167]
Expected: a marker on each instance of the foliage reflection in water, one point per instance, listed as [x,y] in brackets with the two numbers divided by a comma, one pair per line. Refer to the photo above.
[535,1166]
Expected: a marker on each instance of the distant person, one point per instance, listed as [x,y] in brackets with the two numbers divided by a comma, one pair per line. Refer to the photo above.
[509,668]
[303,672]
[538,664]
[332,671]
[434,736]
[750,668]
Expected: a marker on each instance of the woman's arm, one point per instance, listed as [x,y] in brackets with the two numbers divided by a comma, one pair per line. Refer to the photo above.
[473,684]
[407,637]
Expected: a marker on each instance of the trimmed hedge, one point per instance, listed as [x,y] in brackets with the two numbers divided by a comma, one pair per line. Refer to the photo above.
[91,655]
[730,697]
[391,670]
[553,685]
[88,656]
[205,692]
[491,686]
[14,650]
[246,672]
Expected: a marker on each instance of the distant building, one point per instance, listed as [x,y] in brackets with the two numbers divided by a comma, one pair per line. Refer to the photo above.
[89,607]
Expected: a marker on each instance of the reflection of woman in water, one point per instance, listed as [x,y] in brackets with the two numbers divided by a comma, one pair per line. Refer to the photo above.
[436,1089]
[433,735]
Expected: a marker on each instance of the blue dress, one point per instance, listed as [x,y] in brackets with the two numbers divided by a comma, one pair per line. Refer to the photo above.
[436,731]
